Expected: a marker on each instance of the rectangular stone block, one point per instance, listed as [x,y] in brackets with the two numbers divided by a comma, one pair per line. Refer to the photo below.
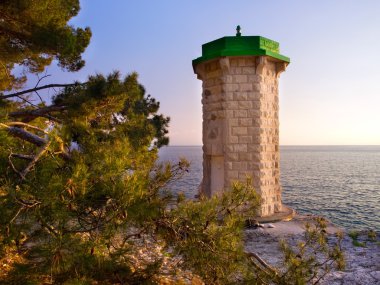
[245,105]
[254,78]
[235,70]
[208,83]
[232,174]
[253,166]
[229,96]
[257,87]
[233,122]
[219,80]
[229,148]
[245,156]
[232,140]
[240,165]
[233,62]
[215,106]
[242,62]
[240,78]
[257,105]
[245,122]
[232,87]
[253,131]
[240,113]
[239,131]
[239,96]
[215,90]
[228,79]
[250,61]
[245,139]
[232,156]
[221,114]
[231,105]
[254,113]
[246,87]
[229,113]
[217,149]
[213,74]
[240,148]
[253,96]
[248,70]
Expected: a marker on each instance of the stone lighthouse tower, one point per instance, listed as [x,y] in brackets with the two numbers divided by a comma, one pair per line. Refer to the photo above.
[240,116]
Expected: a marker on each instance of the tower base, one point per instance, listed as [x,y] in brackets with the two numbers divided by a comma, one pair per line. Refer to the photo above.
[286,214]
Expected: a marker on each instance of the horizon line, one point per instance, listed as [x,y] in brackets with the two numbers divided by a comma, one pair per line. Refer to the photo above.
[189,145]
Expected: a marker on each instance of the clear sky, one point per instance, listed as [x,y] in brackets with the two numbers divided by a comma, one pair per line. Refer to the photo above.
[329,94]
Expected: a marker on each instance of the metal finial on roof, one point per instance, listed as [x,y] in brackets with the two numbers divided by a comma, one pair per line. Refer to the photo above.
[238,34]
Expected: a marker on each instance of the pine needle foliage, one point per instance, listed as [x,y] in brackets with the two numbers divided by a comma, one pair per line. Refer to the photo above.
[33,33]
[93,180]
[208,234]
[312,258]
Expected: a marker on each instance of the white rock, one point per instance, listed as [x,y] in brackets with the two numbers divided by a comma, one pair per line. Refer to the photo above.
[376,275]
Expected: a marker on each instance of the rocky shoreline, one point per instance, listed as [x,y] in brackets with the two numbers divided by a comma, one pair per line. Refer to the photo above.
[362,259]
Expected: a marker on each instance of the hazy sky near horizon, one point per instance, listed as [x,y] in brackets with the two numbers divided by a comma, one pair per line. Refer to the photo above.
[329,94]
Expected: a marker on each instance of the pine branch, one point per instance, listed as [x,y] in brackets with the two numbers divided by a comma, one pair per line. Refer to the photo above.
[22,124]
[29,115]
[25,135]
[22,156]
[12,165]
[2,96]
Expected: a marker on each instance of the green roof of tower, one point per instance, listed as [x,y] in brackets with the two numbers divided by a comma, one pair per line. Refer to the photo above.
[240,46]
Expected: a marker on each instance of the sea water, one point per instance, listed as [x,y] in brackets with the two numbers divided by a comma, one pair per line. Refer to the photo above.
[341,183]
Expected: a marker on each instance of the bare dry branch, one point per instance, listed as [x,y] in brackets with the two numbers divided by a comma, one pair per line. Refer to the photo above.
[261,261]
[35,159]
[38,83]
[17,94]
[26,203]
[16,215]
[29,115]
[26,101]
[22,156]
[24,135]
[26,126]
[13,166]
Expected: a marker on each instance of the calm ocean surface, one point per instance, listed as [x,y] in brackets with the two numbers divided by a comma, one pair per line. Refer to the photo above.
[341,183]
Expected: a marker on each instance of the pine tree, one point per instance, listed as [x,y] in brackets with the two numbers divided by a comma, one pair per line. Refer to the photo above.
[33,33]
[87,175]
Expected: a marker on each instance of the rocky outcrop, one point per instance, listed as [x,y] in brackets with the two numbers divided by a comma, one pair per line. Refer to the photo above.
[362,259]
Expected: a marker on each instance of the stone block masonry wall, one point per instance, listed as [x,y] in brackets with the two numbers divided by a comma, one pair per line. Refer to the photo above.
[241,126]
